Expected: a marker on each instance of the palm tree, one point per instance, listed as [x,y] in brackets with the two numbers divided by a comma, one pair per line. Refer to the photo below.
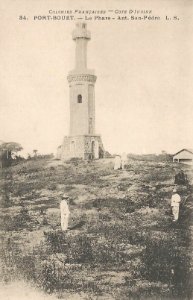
[35,152]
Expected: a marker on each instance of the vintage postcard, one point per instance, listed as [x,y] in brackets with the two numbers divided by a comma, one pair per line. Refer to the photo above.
[96,149]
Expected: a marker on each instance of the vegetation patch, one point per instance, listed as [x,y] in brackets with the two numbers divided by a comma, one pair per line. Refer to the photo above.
[121,241]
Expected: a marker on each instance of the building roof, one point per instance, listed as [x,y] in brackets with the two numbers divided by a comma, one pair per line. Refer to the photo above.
[186,149]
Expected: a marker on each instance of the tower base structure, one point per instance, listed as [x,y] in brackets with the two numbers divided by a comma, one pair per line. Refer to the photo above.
[82,146]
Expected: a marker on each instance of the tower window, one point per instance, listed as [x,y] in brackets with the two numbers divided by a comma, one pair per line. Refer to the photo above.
[79,99]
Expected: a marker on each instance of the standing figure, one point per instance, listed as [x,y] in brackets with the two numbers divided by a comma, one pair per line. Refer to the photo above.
[65,212]
[175,205]
[180,178]
[117,162]
[123,160]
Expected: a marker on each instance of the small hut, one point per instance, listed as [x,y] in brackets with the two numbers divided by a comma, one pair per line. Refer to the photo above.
[184,156]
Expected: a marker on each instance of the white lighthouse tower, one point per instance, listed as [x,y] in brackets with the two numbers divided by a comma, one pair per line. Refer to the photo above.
[82,141]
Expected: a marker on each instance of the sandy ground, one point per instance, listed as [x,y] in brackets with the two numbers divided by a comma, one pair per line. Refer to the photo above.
[22,291]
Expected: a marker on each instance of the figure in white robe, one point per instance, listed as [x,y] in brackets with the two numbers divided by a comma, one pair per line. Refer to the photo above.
[123,160]
[175,204]
[117,162]
[65,213]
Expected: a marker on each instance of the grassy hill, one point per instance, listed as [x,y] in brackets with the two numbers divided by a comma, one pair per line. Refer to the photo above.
[121,243]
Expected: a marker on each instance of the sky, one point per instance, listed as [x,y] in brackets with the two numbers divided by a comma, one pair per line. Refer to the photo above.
[144,75]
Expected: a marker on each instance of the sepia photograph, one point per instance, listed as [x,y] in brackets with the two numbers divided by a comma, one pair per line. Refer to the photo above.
[96,150]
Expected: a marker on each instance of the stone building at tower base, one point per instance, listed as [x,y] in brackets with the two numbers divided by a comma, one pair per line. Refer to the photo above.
[82,146]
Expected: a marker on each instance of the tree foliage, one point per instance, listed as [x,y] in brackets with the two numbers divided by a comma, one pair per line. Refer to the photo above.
[11,146]
[6,152]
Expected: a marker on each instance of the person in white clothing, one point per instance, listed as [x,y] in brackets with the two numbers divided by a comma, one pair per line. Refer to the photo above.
[65,212]
[123,160]
[117,162]
[175,204]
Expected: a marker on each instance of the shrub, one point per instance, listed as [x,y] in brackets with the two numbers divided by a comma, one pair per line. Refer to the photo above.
[55,241]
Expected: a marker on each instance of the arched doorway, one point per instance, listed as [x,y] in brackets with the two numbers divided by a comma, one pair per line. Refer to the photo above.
[92,150]
[95,149]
